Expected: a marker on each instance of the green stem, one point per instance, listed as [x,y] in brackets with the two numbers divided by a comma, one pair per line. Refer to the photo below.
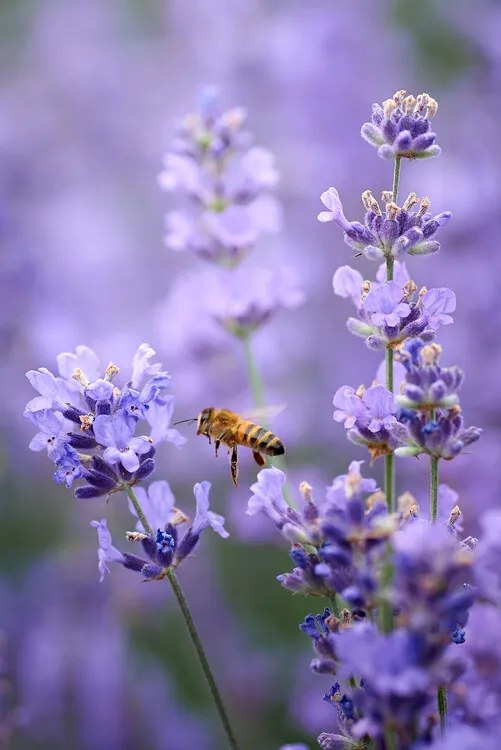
[256,383]
[259,398]
[389,739]
[190,625]
[396,179]
[389,461]
[335,607]
[434,487]
[137,507]
[442,707]
[197,643]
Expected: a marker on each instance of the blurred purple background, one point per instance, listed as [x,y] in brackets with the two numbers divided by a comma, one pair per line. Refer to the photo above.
[90,96]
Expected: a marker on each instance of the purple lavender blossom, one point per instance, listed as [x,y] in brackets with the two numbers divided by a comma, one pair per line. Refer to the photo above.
[427,385]
[243,299]
[88,426]
[401,127]
[347,534]
[444,436]
[369,415]
[162,547]
[157,504]
[388,233]
[226,184]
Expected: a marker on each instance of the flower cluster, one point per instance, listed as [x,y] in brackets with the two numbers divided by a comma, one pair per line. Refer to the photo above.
[401,127]
[388,233]
[369,415]
[226,182]
[337,544]
[159,541]
[389,312]
[89,425]
[429,405]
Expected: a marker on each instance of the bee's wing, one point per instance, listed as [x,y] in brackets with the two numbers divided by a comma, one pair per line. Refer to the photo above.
[264,415]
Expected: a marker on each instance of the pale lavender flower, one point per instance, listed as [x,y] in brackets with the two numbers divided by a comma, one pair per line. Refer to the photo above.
[226,184]
[401,127]
[83,359]
[114,433]
[159,417]
[350,407]
[157,504]
[385,306]
[436,304]
[243,299]
[348,283]
[106,551]
[204,516]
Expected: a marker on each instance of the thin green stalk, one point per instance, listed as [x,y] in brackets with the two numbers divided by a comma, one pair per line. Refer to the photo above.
[197,643]
[442,707]
[259,398]
[255,381]
[396,178]
[335,606]
[389,739]
[434,487]
[190,625]
[389,468]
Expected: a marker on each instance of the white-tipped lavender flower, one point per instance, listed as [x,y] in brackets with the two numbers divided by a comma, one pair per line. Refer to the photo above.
[401,127]
[389,231]
[88,424]
[226,184]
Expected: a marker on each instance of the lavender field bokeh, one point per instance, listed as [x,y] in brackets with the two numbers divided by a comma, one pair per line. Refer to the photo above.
[91,94]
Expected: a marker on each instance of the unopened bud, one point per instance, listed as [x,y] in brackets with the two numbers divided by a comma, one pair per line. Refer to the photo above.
[86,420]
[80,377]
[360,391]
[399,96]
[455,513]
[430,354]
[178,517]
[306,491]
[389,106]
[366,287]
[392,209]
[370,202]
[423,208]
[111,371]
[409,288]
[135,536]
[410,201]
[409,104]
[386,196]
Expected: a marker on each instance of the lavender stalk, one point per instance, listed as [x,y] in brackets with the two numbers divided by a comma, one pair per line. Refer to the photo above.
[192,630]
[389,461]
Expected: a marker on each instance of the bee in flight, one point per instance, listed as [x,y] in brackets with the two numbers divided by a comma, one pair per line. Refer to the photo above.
[231,429]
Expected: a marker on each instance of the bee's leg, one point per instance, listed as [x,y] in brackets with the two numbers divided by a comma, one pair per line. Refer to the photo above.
[258,458]
[219,440]
[234,465]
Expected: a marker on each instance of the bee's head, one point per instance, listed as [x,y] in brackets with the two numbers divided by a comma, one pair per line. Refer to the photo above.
[204,420]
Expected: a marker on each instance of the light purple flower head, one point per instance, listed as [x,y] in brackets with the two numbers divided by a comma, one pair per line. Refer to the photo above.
[388,231]
[268,495]
[401,127]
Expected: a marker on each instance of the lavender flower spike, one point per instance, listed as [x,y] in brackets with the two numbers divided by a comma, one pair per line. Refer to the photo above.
[401,127]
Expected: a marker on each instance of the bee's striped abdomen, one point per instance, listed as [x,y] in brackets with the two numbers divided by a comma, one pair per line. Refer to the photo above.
[259,439]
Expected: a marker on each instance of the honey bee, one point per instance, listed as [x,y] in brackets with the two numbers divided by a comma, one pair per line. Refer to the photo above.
[232,429]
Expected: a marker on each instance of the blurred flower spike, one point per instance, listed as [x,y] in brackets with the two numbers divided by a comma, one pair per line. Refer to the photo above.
[89,425]
[389,231]
[226,184]
[402,128]
[162,548]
